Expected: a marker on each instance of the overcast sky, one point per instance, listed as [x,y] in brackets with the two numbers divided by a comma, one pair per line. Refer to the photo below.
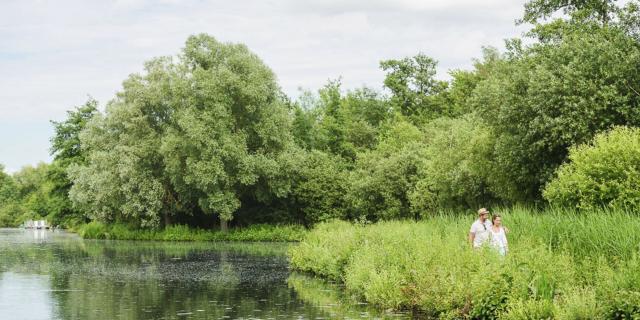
[54,54]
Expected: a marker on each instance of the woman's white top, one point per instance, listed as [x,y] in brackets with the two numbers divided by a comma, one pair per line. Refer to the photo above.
[499,240]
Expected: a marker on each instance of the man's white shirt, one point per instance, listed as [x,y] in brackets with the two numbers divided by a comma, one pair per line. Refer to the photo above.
[482,232]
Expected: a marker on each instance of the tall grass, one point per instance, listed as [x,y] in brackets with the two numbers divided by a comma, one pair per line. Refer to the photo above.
[561,264]
[96,230]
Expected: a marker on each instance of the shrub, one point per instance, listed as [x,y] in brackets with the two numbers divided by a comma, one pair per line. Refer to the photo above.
[530,310]
[93,230]
[383,178]
[320,187]
[327,250]
[605,172]
[623,305]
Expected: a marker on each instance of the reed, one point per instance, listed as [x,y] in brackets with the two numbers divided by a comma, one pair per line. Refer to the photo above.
[262,232]
[562,264]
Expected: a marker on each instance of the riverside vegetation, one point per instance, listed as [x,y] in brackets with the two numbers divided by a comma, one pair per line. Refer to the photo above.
[259,232]
[206,141]
[562,265]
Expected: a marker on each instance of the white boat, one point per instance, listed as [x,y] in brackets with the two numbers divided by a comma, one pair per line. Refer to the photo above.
[37,224]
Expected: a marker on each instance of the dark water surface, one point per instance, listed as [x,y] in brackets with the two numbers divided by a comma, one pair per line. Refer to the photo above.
[56,275]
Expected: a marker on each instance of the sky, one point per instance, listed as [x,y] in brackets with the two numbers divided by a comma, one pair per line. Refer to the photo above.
[56,54]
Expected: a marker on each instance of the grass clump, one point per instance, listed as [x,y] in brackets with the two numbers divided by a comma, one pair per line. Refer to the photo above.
[275,233]
[561,265]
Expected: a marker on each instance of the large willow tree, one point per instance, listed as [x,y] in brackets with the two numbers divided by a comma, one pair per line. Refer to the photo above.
[200,132]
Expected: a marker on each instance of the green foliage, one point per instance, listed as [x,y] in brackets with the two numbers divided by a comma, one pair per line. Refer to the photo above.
[561,266]
[65,143]
[603,173]
[7,185]
[601,10]
[464,82]
[530,310]
[226,144]
[199,133]
[383,178]
[457,167]
[67,150]
[320,186]
[342,124]
[258,232]
[624,305]
[550,96]
[416,92]
[27,196]
[327,249]
[207,136]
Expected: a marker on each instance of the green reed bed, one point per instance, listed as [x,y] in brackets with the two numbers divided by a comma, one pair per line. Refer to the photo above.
[96,230]
[561,265]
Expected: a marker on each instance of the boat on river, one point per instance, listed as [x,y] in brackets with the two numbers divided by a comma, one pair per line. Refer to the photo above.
[36,224]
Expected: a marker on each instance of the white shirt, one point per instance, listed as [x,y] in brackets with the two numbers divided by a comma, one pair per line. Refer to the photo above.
[499,240]
[481,231]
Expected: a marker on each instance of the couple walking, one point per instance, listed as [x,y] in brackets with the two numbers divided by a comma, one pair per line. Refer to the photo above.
[485,231]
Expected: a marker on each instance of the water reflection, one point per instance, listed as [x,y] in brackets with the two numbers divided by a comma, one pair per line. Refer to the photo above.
[25,296]
[54,275]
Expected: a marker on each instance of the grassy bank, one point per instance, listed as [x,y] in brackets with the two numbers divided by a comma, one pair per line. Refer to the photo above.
[96,230]
[561,265]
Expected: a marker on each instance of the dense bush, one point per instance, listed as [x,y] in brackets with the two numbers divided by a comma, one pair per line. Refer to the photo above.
[543,98]
[384,177]
[455,172]
[603,173]
[320,186]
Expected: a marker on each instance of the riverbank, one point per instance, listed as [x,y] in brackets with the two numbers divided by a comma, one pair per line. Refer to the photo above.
[561,265]
[262,232]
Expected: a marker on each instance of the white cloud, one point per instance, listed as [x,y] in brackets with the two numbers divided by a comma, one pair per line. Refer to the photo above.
[55,53]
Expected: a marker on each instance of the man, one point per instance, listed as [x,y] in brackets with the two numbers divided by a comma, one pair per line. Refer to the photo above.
[479,233]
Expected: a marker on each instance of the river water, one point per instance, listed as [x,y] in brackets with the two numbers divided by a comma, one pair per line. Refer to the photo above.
[57,275]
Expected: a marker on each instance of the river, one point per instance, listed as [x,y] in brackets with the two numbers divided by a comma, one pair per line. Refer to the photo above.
[57,275]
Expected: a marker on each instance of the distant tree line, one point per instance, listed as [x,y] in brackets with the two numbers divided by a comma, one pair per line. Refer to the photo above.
[207,138]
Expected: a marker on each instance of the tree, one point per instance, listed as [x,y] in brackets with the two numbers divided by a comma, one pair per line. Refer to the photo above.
[601,10]
[554,95]
[456,171]
[320,186]
[629,19]
[7,187]
[32,196]
[225,140]
[464,82]
[67,150]
[65,143]
[384,178]
[342,124]
[123,178]
[8,199]
[416,92]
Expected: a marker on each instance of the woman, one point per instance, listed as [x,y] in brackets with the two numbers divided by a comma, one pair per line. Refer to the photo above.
[498,236]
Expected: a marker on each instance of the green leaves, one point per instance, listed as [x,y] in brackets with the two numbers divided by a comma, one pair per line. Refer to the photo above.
[555,95]
[201,132]
[603,173]
[416,91]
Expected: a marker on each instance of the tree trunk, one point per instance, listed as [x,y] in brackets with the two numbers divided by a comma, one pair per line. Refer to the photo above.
[166,218]
[223,225]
